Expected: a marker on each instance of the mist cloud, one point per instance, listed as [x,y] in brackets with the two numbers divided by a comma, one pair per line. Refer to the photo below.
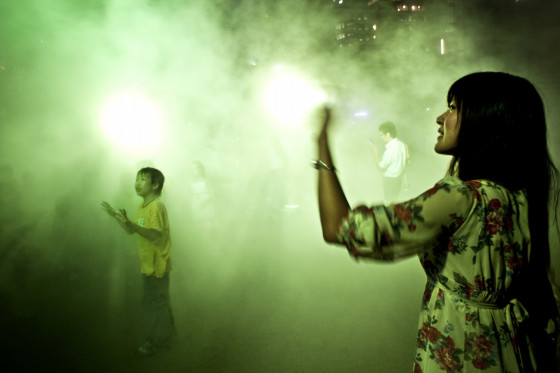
[261,292]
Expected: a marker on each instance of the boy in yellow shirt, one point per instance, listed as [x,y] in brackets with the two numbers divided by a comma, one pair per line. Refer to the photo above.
[154,244]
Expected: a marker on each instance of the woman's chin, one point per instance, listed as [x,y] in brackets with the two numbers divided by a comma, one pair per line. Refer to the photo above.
[441,150]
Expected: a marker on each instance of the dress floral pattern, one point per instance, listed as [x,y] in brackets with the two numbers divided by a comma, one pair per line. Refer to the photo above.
[473,240]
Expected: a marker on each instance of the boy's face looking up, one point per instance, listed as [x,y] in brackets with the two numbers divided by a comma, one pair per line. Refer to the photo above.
[144,187]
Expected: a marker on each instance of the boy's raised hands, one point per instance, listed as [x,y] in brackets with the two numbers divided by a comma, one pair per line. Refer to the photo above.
[108,209]
[122,217]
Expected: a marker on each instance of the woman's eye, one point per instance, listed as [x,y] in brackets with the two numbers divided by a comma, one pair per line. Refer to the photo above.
[451,107]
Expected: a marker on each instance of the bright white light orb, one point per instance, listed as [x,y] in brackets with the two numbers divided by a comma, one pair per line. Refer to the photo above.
[132,121]
[289,98]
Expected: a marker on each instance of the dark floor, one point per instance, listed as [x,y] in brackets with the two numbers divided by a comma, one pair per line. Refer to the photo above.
[258,301]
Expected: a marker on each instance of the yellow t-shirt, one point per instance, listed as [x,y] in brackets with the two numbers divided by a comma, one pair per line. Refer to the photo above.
[154,255]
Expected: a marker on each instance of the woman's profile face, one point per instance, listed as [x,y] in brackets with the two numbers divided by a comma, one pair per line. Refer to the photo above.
[449,123]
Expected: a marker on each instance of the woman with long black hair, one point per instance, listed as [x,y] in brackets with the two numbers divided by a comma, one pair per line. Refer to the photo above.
[481,232]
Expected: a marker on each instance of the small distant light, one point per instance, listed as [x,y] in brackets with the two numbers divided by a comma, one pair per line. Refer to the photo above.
[340,1]
[427,109]
[361,114]
[291,206]
[375,27]
[442,46]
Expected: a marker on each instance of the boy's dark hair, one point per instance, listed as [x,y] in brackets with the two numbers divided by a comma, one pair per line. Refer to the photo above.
[388,127]
[155,175]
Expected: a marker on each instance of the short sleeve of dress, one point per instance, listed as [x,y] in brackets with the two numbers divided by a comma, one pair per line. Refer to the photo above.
[396,231]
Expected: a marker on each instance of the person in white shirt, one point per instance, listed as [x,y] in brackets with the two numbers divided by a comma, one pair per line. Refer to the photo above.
[393,162]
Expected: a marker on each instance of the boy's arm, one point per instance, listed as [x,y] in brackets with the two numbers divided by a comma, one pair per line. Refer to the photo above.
[114,213]
[131,227]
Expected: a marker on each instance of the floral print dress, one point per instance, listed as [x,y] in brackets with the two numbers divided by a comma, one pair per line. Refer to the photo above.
[472,239]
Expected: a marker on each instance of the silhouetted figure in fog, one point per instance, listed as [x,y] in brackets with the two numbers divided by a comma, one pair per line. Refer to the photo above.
[481,232]
[202,201]
[275,193]
[154,244]
[393,161]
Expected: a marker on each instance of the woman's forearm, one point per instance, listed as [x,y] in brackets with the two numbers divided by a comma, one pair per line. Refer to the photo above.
[333,205]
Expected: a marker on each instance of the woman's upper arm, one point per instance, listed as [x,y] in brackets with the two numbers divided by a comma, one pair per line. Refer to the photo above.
[404,229]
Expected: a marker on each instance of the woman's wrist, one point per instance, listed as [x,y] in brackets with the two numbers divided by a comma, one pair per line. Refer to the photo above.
[319,164]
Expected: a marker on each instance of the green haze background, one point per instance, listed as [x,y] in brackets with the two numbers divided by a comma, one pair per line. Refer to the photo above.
[260,291]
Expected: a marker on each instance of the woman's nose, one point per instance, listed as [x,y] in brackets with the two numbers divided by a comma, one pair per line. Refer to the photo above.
[441,118]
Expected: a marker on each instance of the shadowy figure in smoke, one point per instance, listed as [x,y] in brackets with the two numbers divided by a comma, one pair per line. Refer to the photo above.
[154,243]
[393,162]
[16,254]
[481,232]
[275,181]
[202,198]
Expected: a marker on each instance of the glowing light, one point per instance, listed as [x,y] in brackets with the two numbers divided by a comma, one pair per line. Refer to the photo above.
[132,121]
[361,114]
[375,27]
[290,97]
[442,46]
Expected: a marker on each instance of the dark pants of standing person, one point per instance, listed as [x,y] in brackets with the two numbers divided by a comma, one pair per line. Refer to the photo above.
[157,310]
[391,188]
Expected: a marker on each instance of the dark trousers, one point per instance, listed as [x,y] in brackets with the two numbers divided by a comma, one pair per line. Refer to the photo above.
[391,188]
[157,309]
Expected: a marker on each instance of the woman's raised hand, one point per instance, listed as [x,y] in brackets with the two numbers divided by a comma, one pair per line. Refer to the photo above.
[325,122]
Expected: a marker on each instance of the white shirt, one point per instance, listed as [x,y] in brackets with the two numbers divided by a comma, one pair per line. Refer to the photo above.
[394,158]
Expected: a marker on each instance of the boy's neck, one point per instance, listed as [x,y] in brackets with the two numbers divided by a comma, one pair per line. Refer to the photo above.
[149,199]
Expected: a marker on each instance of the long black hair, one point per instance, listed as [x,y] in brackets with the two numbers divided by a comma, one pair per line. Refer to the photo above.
[503,138]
